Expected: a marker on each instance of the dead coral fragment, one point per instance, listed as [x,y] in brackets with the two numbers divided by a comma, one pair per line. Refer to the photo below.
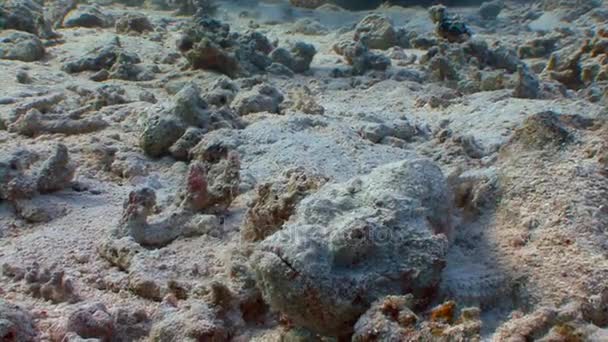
[45,283]
[209,189]
[54,174]
[33,123]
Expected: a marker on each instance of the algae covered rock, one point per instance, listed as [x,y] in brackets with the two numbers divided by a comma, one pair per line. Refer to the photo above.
[209,44]
[350,244]
[87,16]
[25,15]
[377,32]
[21,46]
[297,58]
[16,324]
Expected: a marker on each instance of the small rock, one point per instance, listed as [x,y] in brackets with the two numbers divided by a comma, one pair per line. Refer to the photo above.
[21,46]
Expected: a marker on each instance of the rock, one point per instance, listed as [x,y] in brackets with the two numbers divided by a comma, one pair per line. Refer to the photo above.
[298,58]
[38,209]
[133,23]
[87,16]
[16,324]
[350,244]
[208,44]
[25,15]
[21,46]
[307,3]
[262,98]
[303,101]
[196,323]
[388,319]
[527,84]
[222,94]
[51,285]
[309,27]
[448,27]
[392,319]
[145,287]
[23,77]
[280,70]
[361,59]
[490,10]
[181,148]
[571,9]
[208,189]
[54,174]
[538,47]
[189,7]
[376,32]
[303,55]
[89,321]
[541,131]
[276,202]
[375,132]
[131,324]
[119,252]
[471,147]
[566,323]
[56,10]
[33,123]
[102,57]
[566,69]
[166,125]
[403,129]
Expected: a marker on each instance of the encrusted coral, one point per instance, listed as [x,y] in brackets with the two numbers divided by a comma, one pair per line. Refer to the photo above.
[276,202]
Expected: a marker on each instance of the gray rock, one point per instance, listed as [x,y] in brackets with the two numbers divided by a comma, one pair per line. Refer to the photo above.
[352,243]
[376,31]
[375,132]
[55,173]
[23,77]
[197,323]
[490,10]
[262,98]
[303,55]
[56,10]
[280,70]
[16,324]
[25,15]
[87,16]
[362,60]
[527,84]
[297,58]
[91,321]
[208,44]
[21,46]
[133,23]
[164,127]
[102,57]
